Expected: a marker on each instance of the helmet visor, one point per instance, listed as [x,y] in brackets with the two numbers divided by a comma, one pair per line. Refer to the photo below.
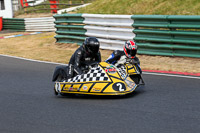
[131,53]
[93,48]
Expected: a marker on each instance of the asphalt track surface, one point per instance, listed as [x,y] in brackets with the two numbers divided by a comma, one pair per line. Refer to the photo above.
[28,105]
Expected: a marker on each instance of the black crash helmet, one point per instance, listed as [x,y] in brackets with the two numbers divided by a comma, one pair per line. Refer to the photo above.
[91,44]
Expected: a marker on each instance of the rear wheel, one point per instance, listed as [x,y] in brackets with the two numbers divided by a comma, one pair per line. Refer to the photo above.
[59,79]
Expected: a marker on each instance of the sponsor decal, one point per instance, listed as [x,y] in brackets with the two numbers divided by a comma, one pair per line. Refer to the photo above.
[111,69]
[70,69]
[96,89]
[72,89]
[66,88]
[88,59]
[85,87]
[122,71]
[129,83]
[76,89]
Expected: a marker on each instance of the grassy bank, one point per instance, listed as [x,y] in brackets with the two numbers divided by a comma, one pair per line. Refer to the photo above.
[150,7]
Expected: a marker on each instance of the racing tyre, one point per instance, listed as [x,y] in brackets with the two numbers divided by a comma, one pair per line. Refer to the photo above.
[136,78]
[55,92]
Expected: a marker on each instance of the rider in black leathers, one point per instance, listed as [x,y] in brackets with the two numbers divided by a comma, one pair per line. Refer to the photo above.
[86,54]
[83,56]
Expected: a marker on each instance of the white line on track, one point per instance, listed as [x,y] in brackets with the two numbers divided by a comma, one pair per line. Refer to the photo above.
[171,75]
[149,73]
[21,58]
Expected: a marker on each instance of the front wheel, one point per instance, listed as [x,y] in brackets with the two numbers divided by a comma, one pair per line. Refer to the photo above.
[55,92]
[136,78]
[60,73]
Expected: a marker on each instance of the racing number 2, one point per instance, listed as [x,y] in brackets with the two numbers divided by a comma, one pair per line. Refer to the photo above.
[120,86]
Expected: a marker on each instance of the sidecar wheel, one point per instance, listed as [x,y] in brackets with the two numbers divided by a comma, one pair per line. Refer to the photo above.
[55,92]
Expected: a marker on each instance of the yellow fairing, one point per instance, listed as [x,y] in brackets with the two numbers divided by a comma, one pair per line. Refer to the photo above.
[116,84]
[131,69]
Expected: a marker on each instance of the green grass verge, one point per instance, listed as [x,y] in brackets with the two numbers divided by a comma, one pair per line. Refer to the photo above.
[144,7]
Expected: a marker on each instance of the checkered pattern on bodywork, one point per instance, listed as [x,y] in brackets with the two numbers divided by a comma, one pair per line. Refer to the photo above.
[95,74]
[122,71]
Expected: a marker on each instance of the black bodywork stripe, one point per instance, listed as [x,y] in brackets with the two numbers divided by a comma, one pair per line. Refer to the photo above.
[106,87]
[63,87]
[116,78]
[91,87]
[80,86]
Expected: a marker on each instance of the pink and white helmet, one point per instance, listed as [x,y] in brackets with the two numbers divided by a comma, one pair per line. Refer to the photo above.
[130,49]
